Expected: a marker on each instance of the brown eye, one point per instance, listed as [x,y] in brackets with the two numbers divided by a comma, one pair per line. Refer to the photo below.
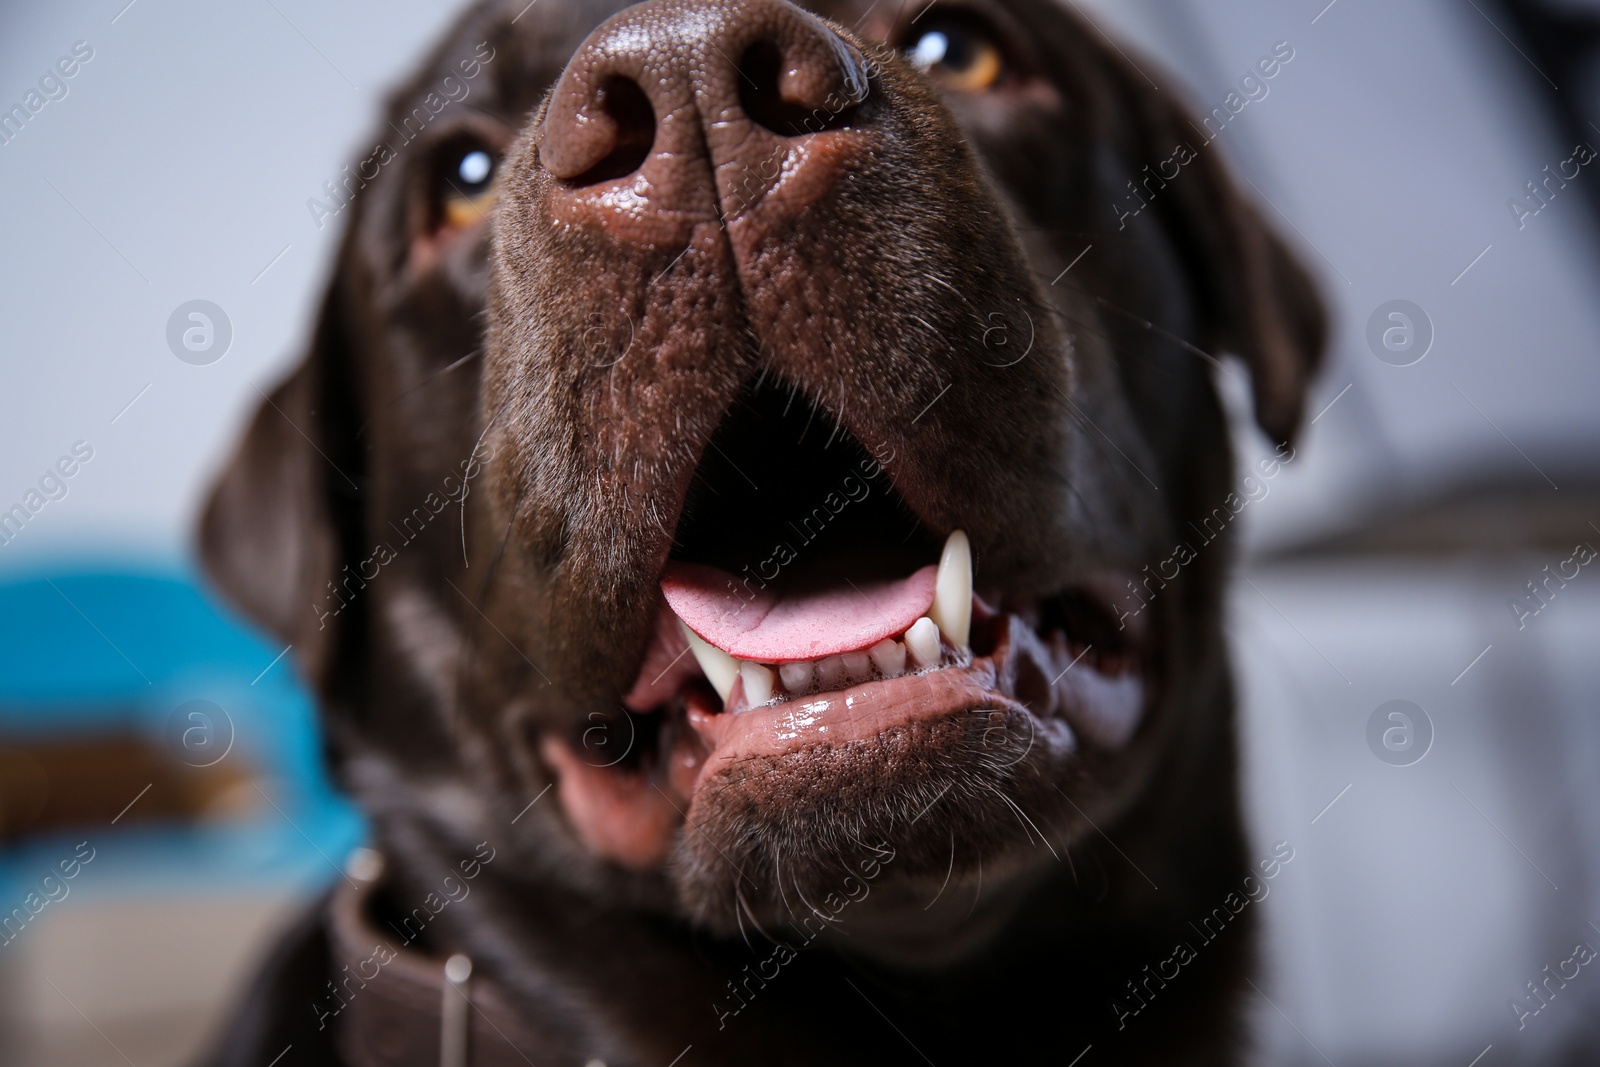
[464,188]
[958,53]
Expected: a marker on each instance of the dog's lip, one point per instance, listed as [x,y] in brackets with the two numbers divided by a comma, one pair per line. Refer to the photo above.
[1011,678]
[859,713]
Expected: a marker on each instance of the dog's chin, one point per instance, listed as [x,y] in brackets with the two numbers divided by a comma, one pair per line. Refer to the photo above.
[833,710]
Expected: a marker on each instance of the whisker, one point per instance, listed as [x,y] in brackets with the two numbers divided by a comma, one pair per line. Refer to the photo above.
[813,908]
[430,378]
[777,871]
[475,446]
[740,907]
[1024,816]
[1159,331]
[739,892]
[949,871]
[959,294]
[463,666]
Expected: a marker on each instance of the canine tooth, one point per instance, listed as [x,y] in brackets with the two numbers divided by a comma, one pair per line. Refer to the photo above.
[796,676]
[720,668]
[757,682]
[922,641]
[830,671]
[952,590]
[890,657]
[858,665]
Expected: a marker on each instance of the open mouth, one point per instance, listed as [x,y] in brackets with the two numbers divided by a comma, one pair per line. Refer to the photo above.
[805,605]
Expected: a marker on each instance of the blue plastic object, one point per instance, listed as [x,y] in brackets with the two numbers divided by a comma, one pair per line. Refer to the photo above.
[119,650]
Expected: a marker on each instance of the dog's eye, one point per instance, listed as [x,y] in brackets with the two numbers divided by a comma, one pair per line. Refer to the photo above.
[958,53]
[464,189]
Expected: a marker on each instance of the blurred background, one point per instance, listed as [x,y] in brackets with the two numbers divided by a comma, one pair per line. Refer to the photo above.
[1420,722]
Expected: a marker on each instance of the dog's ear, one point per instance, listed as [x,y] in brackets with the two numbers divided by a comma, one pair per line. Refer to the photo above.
[1252,297]
[273,532]
[1256,300]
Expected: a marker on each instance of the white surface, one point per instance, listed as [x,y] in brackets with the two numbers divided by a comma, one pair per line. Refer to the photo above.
[1390,145]
[156,977]
[190,144]
[1421,902]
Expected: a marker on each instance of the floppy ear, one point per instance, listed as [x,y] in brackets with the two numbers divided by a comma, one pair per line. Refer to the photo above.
[275,528]
[1255,298]
[1251,295]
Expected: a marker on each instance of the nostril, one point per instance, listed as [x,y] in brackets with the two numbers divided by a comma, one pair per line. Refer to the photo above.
[761,95]
[628,108]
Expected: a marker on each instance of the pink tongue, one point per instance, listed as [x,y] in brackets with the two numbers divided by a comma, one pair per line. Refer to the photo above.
[773,628]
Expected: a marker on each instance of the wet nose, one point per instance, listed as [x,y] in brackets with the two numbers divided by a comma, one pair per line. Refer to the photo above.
[677,111]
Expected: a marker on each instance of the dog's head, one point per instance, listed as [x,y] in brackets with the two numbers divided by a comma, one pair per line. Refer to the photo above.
[773,428]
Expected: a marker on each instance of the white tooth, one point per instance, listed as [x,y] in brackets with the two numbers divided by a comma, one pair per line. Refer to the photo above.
[720,668]
[952,590]
[858,665]
[757,683]
[922,641]
[796,676]
[890,656]
[830,671]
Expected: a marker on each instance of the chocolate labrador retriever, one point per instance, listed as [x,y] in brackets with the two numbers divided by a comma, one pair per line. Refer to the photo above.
[727,514]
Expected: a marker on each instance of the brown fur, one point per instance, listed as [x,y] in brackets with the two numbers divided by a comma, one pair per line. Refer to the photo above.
[589,375]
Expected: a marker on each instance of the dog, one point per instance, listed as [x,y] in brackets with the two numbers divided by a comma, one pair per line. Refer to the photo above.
[719,512]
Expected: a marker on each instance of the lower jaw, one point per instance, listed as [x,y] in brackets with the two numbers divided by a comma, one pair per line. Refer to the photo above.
[633,817]
[857,714]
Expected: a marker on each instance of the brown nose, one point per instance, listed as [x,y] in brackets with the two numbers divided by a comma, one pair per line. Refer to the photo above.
[699,109]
